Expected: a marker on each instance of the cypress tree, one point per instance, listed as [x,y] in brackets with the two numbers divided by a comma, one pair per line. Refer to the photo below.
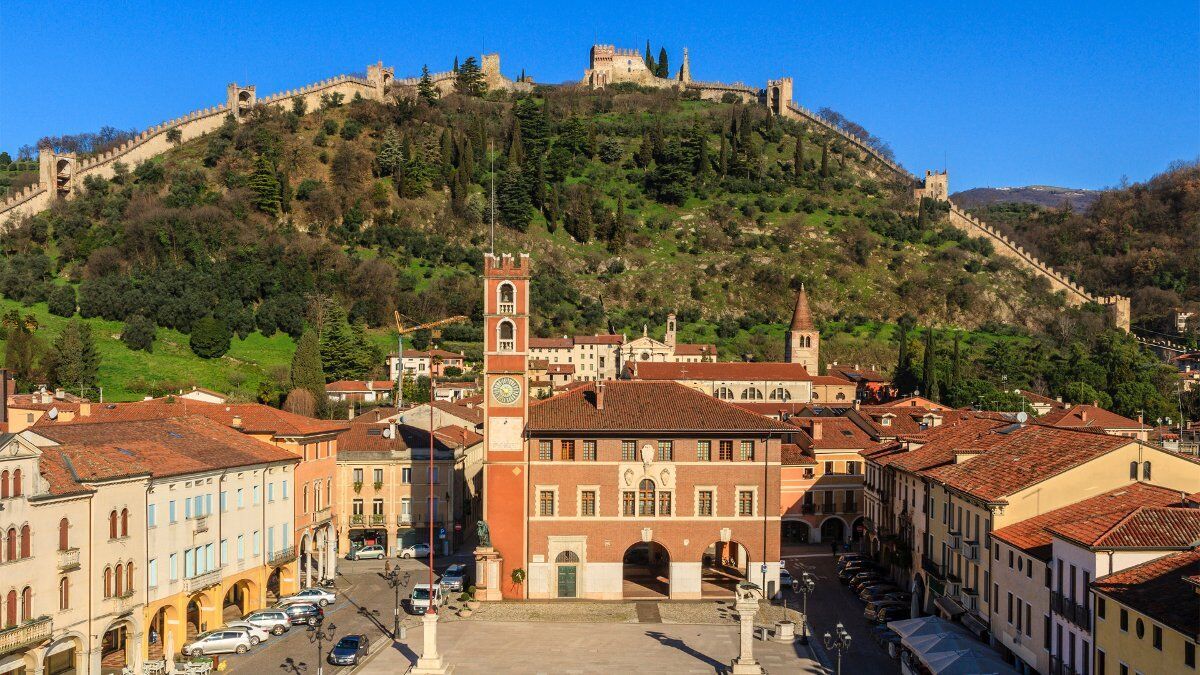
[922,215]
[649,59]
[724,159]
[72,360]
[616,237]
[306,372]
[825,160]
[928,374]
[455,68]
[663,70]
[447,152]
[264,184]
[516,151]
[956,363]
[798,159]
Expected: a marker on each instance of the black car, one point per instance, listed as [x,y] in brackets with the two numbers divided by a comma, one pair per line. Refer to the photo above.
[861,579]
[304,613]
[846,574]
[876,591]
[892,613]
[873,608]
[847,558]
[348,650]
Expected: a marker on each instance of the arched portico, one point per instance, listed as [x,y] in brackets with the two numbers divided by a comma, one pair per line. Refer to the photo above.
[241,598]
[833,529]
[305,560]
[25,663]
[120,645]
[164,633]
[858,529]
[64,655]
[723,565]
[646,571]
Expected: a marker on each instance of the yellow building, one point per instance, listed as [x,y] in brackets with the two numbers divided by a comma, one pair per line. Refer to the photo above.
[1148,617]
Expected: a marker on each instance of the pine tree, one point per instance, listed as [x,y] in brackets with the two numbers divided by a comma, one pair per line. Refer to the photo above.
[389,158]
[798,158]
[825,160]
[264,185]
[72,361]
[662,69]
[469,79]
[306,372]
[425,88]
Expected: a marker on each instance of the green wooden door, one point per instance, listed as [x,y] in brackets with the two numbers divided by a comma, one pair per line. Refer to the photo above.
[566,581]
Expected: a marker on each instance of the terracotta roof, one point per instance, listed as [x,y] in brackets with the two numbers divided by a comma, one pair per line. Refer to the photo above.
[1085,520]
[773,409]
[915,402]
[1089,416]
[158,447]
[907,421]
[943,443]
[254,417]
[1147,526]
[643,406]
[856,374]
[551,343]
[561,369]
[372,437]
[1024,456]
[837,433]
[801,315]
[472,415]
[359,385]
[728,370]
[599,339]
[1034,397]
[689,349]
[794,455]
[429,353]
[1160,589]
[539,364]
[830,380]
[458,436]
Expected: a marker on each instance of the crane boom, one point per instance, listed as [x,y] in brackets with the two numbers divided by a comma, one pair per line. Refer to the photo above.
[432,324]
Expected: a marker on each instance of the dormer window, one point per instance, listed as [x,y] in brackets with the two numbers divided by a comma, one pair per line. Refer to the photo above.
[507,298]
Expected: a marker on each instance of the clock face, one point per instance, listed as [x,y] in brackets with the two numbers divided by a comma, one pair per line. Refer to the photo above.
[506,390]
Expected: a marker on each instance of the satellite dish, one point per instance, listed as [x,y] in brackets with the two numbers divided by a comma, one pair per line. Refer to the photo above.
[52,413]
[1022,417]
[387,432]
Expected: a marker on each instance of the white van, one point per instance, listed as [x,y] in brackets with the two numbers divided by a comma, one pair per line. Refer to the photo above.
[418,601]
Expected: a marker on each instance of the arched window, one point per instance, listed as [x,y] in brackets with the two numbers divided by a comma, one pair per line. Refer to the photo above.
[108,578]
[566,557]
[124,522]
[64,538]
[646,498]
[26,604]
[4,484]
[841,396]
[26,544]
[725,393]
[1133,470]
[16,487]
[1145,470]
[508,298]
[780,394]
[752,394]
[10,544]
[112,524]
[129,576]
[507,335]
[64,593]
[10,610]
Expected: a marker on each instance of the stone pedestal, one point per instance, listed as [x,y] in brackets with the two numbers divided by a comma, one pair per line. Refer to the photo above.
[746,608]
[487,574]
[430,662]
[785,631]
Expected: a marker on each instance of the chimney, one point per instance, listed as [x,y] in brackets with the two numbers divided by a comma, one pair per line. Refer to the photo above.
[237,421]
[816,430]
[1083,415]
[857,403]
[60,394]
[350,412]
[600,395]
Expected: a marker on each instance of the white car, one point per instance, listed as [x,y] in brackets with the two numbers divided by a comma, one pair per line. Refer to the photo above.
[418,600]
[274,620]
[256,633]
[219,642]
[367,552]
[318,596]
[415,551]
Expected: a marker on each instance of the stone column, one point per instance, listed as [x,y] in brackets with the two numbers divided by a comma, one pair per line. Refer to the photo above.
[321,546]
[747,609]
[331,552]
[487,574]
[430,662]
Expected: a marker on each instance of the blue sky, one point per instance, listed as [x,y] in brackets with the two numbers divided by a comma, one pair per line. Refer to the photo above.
[1014,93]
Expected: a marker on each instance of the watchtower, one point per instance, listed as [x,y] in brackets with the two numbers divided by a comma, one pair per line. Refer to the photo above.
[379,77]
[57,171]
[935,186]
[240,99]
[685,69]
[779,92]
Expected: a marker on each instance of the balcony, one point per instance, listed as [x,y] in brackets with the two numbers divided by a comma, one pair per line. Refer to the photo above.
[850,507]
[30,633]
[937,570]
[404,519]
[508,308]
[202,581]
[282,556]
[378,519]
[199,524]
[68,560]
[808,509]
[322,515]
[358,519]
[1070,610]
[508,345]
[970,550]
[125,601]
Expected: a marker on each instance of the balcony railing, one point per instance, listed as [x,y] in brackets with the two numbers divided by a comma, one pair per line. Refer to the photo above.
[68,560]
[508,345]
[202,581]
[199,524]
[808,509]
[322,515]
[282,556]
[126,600]
[378,519]
[358,519]
[936,569]
[508,308]
[850,507]
[25,635]
[402,519]
[1078,614]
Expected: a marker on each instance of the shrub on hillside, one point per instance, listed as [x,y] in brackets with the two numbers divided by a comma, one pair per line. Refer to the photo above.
[62,301]
[139,332]
[210,338]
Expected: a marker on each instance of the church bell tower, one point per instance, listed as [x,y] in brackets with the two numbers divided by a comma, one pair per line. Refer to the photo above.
[803,341]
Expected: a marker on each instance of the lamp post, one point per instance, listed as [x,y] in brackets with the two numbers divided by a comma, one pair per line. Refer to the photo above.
[397,582]
[840,641]
[319,635]
[805,584]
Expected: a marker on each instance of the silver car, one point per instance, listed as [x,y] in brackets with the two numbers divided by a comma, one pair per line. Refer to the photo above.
[318,596]
[256,633]
[219,642]
[367,552]
[274,620]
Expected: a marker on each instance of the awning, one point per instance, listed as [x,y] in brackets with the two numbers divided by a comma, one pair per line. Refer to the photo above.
[975,625]
[949,605]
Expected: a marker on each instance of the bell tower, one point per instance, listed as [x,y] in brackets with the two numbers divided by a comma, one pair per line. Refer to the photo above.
[506,407]
[803,341]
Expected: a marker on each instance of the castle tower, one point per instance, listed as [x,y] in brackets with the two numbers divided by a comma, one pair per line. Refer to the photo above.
[240,99]
[779,93]
[506,408]
[379,78]
[935,186]
[685,69]
[57,171]
[803,341]
[670,337]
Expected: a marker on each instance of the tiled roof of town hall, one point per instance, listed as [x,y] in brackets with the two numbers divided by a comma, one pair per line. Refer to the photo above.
[1149,525]
[643,406]
[1089,416]
[1161,589]
[1086,519]
[551,343]
[1024,456]
[943,443]
[372,437]
[157,447]
[736,371]
[856,374]
[252,417]
[604,339]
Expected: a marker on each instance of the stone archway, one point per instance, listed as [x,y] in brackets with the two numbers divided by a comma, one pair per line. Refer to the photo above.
[918,597]
[197,616]
[833,529]
[273,587]
[646,571]
[20,664]
[119,646]
[857,529]
[64,655]
[240,600]
[305,562]
[795,531]
[723,565]
[163,635]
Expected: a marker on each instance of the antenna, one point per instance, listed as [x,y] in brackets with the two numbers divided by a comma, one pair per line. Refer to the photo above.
[492,190]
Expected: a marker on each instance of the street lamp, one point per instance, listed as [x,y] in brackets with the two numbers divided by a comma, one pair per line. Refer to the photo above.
[397,582]
[293,666]
[805,584]
[319,635]
[840,641]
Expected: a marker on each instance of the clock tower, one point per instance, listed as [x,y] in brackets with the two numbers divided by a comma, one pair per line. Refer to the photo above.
[506,407]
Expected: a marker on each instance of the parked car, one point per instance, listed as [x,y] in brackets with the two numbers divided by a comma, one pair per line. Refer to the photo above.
[855,568]
[876,591]
[348,650]
[455,578]
[256,634]
[418,600]
[785,578]
[858,585]
[847,558]
[874,606]
[892,613]
[415,551]
[320,596]
[274,620]
[304,612]
[374,551]
[218,642]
